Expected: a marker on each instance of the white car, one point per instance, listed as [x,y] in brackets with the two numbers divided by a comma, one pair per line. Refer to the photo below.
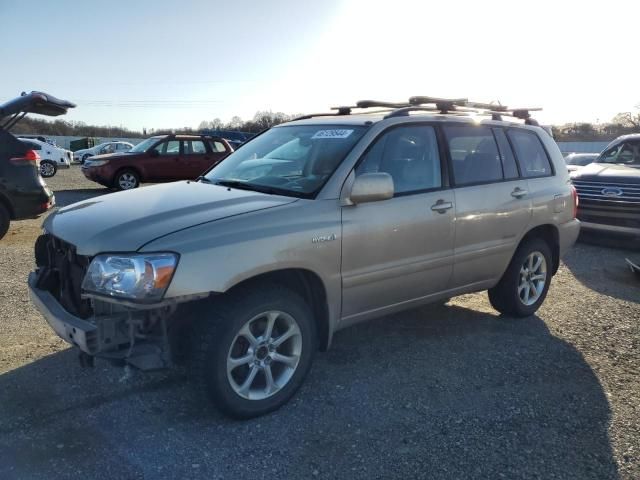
[51,157]
[101,149]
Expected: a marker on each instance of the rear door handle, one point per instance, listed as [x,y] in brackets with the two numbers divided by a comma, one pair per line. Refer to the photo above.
[441,206]
[518,193]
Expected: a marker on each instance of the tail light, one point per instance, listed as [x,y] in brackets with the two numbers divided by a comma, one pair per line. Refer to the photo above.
[28,158]
[574,194]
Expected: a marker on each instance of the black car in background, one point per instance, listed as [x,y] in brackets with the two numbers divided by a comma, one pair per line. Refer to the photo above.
[23,193]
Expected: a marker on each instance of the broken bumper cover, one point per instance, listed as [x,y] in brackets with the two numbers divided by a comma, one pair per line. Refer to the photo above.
[70,328]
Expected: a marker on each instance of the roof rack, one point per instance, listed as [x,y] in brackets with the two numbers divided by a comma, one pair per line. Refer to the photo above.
[450,106]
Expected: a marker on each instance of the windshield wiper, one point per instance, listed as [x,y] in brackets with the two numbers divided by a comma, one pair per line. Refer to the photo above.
[248,186]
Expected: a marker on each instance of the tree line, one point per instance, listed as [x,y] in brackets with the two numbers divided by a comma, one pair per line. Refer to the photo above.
[623,123]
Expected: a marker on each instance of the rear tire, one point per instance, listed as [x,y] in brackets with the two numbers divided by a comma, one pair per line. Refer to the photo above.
[5,219]
[48,169]
[244,366]
[126,180]
[525,283]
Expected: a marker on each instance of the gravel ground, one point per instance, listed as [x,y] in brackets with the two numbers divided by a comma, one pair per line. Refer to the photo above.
[453,391]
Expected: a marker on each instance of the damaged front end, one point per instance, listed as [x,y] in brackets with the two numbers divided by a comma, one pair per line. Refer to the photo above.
[111,328]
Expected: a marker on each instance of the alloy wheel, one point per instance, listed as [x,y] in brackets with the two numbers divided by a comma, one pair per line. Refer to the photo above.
[264,355]
[46,169]
[127,181]
[533,277]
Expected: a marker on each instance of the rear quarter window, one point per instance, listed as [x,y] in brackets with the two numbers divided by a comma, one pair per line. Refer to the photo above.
[217,147]
[530,153]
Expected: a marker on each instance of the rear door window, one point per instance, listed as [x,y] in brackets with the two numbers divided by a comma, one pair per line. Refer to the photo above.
[474,154]
[171,147]
[194,147]
[530,153]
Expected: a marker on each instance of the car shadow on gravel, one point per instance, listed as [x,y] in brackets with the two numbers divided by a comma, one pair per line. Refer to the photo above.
[67,197]
[437,392]
[604,270]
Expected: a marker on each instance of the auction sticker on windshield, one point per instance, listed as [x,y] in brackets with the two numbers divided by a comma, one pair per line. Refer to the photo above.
[332,134]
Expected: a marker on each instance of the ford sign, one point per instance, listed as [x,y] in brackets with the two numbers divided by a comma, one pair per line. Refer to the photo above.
[612,192]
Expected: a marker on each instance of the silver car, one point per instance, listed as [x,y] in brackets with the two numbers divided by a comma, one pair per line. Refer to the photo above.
[310,227]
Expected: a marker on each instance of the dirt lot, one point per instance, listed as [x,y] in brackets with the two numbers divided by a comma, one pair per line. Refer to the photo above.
[440,392]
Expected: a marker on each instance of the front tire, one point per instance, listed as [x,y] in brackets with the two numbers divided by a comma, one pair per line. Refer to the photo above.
[253,350]
[525,284]
[48,169]
[5,219]
[126,180]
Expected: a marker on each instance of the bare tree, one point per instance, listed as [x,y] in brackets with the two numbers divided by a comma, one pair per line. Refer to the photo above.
[628,119]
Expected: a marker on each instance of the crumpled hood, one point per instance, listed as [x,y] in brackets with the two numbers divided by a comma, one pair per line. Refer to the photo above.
[125,221]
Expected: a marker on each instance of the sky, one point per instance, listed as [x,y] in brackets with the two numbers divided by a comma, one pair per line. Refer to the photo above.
[171,64]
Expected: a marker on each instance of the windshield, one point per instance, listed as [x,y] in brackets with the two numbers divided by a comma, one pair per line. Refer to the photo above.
[627,153]
[144,145]
[292,160]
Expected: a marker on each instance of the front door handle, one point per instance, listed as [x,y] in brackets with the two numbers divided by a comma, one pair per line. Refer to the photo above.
[518,193]
[441,206]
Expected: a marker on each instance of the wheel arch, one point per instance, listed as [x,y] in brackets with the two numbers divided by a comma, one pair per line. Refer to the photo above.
[305,283]
[549,233]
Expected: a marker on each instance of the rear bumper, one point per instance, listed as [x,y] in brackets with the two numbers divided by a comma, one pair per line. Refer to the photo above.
[568,234]
[34,206]
[70,328]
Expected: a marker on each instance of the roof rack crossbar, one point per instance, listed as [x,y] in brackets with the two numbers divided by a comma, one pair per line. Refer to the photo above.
[453,106]
[402,112]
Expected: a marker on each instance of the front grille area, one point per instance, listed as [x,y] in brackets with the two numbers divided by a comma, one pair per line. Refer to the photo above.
[61,271]
[609,203]
[609,193]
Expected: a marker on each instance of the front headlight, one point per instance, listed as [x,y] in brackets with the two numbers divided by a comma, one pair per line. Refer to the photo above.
[141,277]
[95,163]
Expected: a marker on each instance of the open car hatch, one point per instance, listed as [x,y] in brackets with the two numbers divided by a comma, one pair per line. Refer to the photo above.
[35,102]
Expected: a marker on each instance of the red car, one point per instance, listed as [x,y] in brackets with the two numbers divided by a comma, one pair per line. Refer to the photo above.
[164,158]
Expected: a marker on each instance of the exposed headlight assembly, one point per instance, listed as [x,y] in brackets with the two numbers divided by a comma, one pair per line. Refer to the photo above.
[138,277]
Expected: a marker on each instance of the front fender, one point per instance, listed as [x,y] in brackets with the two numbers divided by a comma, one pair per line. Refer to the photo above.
[216,256]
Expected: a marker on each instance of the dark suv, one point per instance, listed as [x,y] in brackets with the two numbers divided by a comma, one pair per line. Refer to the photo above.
[163,158]
[23,193]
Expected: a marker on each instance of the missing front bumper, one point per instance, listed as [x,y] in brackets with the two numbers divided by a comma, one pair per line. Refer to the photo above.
[117,336]
[70,328]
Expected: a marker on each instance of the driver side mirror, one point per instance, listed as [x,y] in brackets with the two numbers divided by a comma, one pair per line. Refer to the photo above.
[371,187]
[154,153]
